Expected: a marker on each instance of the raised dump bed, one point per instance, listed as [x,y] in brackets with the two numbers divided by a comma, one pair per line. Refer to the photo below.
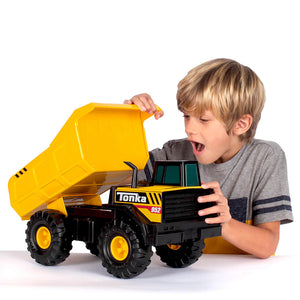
[85,159]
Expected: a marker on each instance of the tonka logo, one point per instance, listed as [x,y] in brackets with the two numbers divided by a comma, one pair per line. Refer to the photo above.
[132,197]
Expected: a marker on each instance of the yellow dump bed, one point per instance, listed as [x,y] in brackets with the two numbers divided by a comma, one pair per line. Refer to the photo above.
[84,160]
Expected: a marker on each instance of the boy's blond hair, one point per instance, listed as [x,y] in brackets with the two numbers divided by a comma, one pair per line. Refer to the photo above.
[227,88]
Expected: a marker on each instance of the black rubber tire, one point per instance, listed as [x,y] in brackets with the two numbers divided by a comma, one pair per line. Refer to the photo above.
[138,257]
[61,243]
[188,253]
[93,248]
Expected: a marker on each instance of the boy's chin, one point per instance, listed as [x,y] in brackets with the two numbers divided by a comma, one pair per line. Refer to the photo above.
[204,161]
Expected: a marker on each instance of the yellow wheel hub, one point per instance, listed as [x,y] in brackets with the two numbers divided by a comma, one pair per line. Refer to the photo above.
[43,237]
[174,247]
[119,248]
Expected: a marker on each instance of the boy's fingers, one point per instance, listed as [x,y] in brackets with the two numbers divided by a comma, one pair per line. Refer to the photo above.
[213,185]
[138,101]
[145,104]
[128,102]
[148,103]
[208,211]
[221,208]
[159,114]
[209,198]
[215,220]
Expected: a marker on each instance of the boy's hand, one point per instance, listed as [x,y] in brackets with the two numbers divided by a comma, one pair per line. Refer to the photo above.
[221,208]
[146,104]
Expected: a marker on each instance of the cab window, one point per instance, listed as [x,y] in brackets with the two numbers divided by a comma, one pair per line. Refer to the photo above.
[159,175]
[191,175]
[172,176]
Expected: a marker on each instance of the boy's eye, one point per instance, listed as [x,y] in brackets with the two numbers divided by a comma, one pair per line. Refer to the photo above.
[186,116]
[203,120]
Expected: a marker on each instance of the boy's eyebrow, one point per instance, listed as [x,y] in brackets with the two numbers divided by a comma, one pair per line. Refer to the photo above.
[207,113]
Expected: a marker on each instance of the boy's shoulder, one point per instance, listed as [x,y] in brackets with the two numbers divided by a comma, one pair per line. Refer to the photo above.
[180,143]
[176,149]
[265,147]
[261,154]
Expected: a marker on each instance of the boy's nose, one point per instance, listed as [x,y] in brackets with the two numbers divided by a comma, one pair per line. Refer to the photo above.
[189,129]
[189,133]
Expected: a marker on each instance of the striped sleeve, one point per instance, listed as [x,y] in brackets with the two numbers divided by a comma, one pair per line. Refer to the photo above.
[273,209]
[272,201]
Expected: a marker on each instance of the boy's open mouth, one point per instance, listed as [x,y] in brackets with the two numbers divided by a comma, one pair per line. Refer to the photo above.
[198,148]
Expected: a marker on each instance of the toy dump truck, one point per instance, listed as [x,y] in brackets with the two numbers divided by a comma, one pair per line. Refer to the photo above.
[99,147]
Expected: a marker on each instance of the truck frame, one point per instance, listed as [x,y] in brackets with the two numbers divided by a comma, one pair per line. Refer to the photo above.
[59,193]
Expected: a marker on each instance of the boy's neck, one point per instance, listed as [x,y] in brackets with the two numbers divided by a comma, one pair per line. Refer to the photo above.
[234,149]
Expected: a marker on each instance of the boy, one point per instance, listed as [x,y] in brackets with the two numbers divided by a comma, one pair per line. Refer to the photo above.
[222,102]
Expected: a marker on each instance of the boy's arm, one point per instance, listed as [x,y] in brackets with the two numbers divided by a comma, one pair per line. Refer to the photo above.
[260,240]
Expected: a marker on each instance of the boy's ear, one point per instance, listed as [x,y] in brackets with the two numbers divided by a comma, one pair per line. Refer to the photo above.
[243,124]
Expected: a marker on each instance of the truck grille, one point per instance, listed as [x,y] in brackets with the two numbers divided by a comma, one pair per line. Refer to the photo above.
[183,205]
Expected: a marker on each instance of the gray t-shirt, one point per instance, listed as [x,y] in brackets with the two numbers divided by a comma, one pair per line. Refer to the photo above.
[254,181]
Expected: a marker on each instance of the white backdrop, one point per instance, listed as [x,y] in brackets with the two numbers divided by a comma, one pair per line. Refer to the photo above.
[56,56]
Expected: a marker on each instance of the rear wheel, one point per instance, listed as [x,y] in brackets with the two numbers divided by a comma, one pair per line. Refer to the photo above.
[122,251]
[47,238]
[180,256]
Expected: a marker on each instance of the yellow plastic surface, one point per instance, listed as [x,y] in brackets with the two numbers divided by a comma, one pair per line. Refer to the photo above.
[84,160]
[119,248]
[174,247]
[43,237]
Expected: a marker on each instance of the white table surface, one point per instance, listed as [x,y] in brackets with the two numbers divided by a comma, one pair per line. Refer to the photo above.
[82,276]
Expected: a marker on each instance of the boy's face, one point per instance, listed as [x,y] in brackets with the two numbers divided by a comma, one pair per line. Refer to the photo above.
[209,138]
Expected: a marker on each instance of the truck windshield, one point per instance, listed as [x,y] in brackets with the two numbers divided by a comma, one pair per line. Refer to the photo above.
[172,176]
[177,173]
[168,174]
[191,175]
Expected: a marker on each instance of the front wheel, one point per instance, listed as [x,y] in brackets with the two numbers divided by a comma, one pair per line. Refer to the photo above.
[47,238]
[122,251]
[183,255]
